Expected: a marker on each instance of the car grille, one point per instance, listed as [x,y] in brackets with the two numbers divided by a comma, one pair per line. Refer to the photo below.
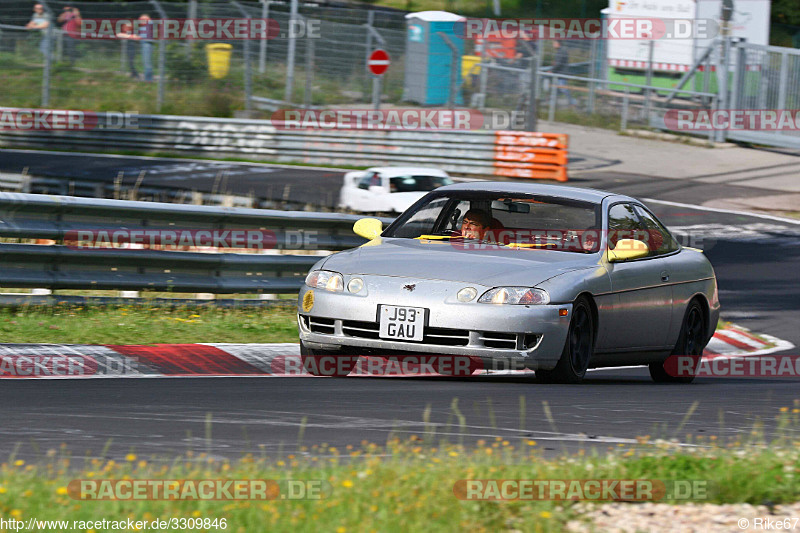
[435,336]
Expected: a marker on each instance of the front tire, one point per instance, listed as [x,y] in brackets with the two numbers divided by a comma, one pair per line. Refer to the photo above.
[578,348]
[691,342]
[334,363]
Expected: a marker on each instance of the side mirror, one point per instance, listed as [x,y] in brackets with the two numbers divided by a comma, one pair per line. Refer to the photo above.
[369,228]
[377,188]
[627,249]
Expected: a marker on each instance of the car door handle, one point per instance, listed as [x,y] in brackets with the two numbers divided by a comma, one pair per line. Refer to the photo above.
[665,276]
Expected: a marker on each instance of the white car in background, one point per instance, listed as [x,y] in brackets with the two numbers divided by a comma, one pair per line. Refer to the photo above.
[389,189]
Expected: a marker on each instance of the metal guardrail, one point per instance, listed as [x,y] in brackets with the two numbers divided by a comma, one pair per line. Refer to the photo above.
[460,152]
[65,266]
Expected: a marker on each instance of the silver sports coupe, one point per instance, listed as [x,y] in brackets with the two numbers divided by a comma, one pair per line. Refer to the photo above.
[513,275]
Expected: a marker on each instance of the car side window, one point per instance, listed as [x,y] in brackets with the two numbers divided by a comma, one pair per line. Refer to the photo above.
[364,182]
[660,241]
[623,223]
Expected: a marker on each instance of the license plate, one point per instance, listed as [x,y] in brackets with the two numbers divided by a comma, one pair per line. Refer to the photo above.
[402,323]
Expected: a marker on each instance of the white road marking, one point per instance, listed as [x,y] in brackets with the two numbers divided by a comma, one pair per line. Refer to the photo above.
[720,210]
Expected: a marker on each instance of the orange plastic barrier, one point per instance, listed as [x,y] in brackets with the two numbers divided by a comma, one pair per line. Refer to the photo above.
[523,154]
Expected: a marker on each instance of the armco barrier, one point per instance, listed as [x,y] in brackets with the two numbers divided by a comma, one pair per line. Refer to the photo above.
[472,153]
[59,266]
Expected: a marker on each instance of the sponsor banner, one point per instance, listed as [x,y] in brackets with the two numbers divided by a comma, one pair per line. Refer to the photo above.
[733,119]
[216,29]
[625,490]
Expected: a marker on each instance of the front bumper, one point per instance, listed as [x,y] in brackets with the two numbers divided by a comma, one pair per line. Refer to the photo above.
[504,336]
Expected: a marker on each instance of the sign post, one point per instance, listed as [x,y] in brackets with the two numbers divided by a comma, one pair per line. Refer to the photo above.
[378,63]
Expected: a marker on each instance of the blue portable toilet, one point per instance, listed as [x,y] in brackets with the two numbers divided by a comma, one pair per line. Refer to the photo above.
[429,59]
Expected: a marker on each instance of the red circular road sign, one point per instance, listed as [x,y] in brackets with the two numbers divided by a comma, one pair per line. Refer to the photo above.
[378,62]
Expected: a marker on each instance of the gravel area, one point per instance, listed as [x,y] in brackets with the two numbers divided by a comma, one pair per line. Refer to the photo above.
[706,518]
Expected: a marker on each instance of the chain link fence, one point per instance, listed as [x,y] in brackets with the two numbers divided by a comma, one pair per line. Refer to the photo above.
[319,59]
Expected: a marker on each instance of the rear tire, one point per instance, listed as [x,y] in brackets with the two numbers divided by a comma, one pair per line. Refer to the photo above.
[578,348]
[334,363]
[691,342]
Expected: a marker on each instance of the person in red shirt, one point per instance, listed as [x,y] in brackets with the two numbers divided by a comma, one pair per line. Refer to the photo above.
[70,20]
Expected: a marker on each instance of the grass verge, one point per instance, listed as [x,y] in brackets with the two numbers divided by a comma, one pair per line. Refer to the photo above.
[151,325]
[409,485]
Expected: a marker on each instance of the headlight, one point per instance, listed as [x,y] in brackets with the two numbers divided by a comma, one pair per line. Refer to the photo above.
[515,296]
[467,294]
[355,285]
[325,279]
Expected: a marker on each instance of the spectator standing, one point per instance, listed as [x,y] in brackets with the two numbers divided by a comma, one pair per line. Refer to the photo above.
[70,20]
[40,21]
[561,66]
[144,36]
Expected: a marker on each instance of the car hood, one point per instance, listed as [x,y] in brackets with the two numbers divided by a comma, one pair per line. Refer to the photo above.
[413,258]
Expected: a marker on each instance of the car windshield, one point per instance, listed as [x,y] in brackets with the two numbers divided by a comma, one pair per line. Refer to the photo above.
[503,220]
[418,183]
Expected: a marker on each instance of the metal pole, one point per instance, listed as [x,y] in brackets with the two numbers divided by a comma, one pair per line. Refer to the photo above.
[376,91]
[592,74]
[287,95]
[48,32]
[533,88]
[309,72]
[248,78]
[484,83]
[783,80]
[551,115]
[454,64]
[368,49]
[624,119]
[162,78]
[649,82]
[262,53]
[722,78]
[192,14]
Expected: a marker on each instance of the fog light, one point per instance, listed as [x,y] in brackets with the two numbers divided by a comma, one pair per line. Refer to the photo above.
[355,285]
[466,294]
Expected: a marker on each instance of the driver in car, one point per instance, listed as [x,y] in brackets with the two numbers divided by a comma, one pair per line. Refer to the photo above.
[475,224]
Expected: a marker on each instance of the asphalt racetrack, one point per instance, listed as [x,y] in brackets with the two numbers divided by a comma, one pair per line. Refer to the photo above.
[756,260]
